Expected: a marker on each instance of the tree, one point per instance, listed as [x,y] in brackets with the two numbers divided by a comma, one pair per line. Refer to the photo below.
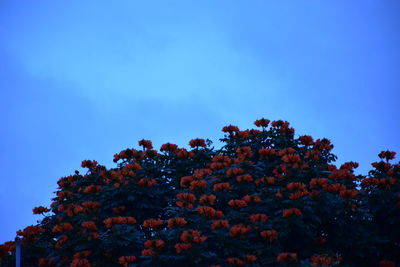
[265,198]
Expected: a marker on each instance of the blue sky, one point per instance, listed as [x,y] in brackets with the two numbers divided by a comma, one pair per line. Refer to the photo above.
[86,79]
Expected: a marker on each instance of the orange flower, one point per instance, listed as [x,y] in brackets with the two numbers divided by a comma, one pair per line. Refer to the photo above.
[179,247]
[147,182]
[40,210]
[222,158]
[221,187]
[286,151]
[63,227]
[323,144]
[271,235]
[219,223]
[89,164]
[174,222]
[244,151]
[134,166]
[154,244]
[80,263]
[243,134]
[93,235]
[82,254]
[313,155]
[150,153]
[186,200]
[207,199]
[370,181]
[259,217]
[168,147]
[291,158]
[185,181]
[125,260]
[201,173]
[7,248]
[197,143]
[209,212]
[148,252]
[188,197]
[57,229]
[266,180]
[322,261]
[289,212]
[381,166]
[262,122]
[63,195]
[92,189]
[109,222]
[349,165]
[89,225]
[32,233]
[298,195]
[235,261]
[306,140]
[190,236]
[230,129]
[250,258]
[201,184]
[254,132]
[216,166]
[334,187]
[266,152]
[342,174]
[287,257]
[298,186]
[182,153]
[183,205]
[388,155]
[280,170]
[153,223]
[119,209]
[244,178]
[46,262]
[90,206]
[253,198]
[238,230]
[234,171]
[321,182]
[237,203]
[147,144]
[351,193]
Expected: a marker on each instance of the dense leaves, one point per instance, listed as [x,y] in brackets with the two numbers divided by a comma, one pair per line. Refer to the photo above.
[265,198]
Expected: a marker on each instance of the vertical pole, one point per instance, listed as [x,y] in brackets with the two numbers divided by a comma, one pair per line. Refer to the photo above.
[17,252]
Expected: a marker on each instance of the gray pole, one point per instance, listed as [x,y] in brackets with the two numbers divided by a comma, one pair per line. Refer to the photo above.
[17,252]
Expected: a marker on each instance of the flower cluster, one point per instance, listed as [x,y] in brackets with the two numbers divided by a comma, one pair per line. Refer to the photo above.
[109,222]
[270,235]
[290,212]
[40,210]
[126,260]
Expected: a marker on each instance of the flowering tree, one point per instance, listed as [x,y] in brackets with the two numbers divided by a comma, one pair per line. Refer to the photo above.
[265,198]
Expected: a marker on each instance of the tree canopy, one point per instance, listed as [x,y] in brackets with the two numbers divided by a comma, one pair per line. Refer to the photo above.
[265,198]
